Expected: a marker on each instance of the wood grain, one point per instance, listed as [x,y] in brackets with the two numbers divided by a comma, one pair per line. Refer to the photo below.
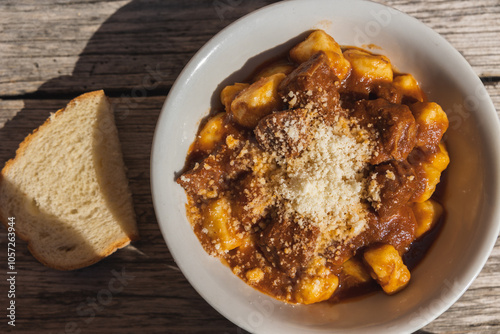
[67,42]
[53,50]
[472,27]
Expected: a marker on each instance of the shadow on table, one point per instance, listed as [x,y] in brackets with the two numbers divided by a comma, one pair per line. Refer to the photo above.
[135,56]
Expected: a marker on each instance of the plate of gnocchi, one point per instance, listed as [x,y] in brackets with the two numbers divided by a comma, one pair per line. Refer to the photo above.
[311,171]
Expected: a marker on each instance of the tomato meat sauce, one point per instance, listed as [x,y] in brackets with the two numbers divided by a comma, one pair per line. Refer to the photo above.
[315,180]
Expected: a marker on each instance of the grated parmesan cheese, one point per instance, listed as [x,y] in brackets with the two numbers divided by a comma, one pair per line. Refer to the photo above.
[325,184]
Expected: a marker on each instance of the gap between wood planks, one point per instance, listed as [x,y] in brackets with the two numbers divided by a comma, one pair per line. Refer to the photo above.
[72,94]
[161,91]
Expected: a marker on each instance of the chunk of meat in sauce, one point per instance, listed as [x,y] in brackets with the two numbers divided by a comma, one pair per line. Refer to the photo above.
[288,245]
[388,92]
[340,251]
[251,201]
[397,181]
[208,178]
[394,125]
[205,179]
[313,83]
[371,91]
[285,133]
[397,229]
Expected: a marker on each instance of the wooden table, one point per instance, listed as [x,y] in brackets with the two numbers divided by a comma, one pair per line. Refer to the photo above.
[53,50]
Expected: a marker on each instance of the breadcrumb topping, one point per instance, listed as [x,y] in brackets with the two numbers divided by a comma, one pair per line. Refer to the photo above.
[325,184]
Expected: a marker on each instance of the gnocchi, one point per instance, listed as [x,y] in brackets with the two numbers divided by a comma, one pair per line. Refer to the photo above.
[356,270]
[369,67]
[387,268]
[321,41]
[318,284]
[228,94]
[408,86]
[427,215]
[257,100]
[219,225]
[316,179]
[430,170]
[212,132]
[432,123]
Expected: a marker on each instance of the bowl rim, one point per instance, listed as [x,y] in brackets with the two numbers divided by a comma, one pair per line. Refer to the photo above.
[216,41]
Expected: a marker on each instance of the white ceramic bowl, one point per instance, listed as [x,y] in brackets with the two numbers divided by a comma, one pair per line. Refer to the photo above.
[472,192]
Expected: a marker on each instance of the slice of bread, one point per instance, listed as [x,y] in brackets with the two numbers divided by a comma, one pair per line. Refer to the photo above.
[67,188]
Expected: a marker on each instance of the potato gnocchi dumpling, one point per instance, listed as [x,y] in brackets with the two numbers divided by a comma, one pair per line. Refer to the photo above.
[356,270]
[212,132]
[408,86]
[320,41]
[317,284]
[387,268]
[315,178]
[257,100]
[281,66]
[427,215]
[429,166]
[229,93]
[219,224]
[369,67]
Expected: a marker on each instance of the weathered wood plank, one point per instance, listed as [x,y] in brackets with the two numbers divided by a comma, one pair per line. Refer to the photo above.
[82,46]
[158,298]
[472,27]
[137,48]
[493,89]
[154,296]
[93,44]
[477,310]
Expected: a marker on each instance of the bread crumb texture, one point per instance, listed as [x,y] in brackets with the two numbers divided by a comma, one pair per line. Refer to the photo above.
[68,189]
[326,184]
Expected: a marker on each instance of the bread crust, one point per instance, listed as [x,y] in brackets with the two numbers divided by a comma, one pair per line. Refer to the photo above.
[19,153]
[32,135]
[110,250]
